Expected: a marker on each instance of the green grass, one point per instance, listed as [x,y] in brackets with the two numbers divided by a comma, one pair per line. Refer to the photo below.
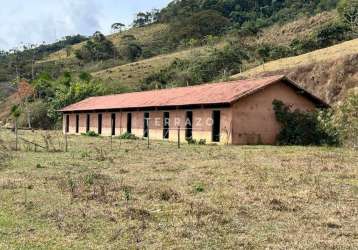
[206,197]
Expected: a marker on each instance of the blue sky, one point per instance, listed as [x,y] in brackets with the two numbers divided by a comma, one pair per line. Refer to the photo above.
[35,21]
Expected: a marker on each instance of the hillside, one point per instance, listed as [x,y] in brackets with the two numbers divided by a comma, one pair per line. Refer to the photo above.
[328,72]
[145,35]
[278,34]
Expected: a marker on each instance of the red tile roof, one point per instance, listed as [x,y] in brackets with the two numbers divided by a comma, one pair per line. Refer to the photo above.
[215,93]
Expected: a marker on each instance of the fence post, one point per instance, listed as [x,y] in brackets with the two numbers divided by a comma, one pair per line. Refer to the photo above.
[66,145]
[16,136]
[148,140]
[179,137]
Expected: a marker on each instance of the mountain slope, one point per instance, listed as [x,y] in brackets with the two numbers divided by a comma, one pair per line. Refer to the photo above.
[131,75]
[328,72]
[145,35]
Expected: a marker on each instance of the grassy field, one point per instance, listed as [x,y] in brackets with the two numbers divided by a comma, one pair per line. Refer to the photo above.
[207,197]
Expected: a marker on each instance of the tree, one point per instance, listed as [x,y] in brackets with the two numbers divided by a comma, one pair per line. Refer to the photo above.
[198,26]
[140,20]
[348,11]
[117,27]
[97,48]
[129,48]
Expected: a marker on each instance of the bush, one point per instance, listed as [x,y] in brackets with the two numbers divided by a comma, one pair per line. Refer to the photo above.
[303,128]
[90,134]
[98,48]
[346,119]
[326,35]
[199,188]
[195,142]
[331,33]
[191,141]
[220,63]
[269,52]
[348,12]
[129,48]
[128,136]
[202,142]
[37,113]
[199,25]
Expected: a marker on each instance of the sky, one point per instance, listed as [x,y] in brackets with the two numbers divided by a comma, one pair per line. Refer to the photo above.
[37,21]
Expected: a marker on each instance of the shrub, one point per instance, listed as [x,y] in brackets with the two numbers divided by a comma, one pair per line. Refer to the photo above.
[198,26]
[128,136]
[346,119]
[191,141]
[219,63]
[348,12]
[90,134]
[129,48]
[199,188]
[302,128]
[37,114]
[269,52]
[98,48]
[202,142]
[326,35]
[331,33]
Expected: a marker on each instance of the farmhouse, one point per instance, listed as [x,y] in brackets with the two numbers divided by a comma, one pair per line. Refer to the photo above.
[236,112]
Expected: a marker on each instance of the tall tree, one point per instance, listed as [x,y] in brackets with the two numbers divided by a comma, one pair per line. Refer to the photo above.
[117,27]
[348,11]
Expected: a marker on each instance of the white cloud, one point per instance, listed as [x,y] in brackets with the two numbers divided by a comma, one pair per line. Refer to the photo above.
[48,21]
[35,21]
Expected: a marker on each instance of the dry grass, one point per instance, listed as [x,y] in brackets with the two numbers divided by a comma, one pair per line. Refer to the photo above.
[315,57]
[132,74]
[197,197]
[298,29]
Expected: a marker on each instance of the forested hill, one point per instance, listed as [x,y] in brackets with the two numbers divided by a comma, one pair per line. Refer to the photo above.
[188,42]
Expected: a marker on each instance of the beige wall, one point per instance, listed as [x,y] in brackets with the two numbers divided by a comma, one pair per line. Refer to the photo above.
[201,128]
[253,116]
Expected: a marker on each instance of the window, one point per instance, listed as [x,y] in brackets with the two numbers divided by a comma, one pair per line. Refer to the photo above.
[67,126]
[216,126]
[129,123]
[166,125]
[146,124]
[99,123]
[189,125]
[113,123]
[88,123]
[77,124]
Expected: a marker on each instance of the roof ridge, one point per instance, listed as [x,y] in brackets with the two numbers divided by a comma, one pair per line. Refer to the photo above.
[195,86]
